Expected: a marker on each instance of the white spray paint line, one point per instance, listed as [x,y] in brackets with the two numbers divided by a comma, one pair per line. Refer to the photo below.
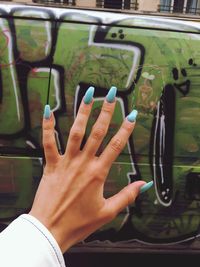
[136,51]
[162,145]
[10,56]
[154,153]
[47,25]
[108,17]
[56,85]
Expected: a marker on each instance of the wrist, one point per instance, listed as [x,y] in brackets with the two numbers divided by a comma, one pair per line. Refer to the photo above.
[63,240]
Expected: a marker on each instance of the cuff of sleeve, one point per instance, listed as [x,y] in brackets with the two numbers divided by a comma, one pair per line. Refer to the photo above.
[45,233]
[27,242]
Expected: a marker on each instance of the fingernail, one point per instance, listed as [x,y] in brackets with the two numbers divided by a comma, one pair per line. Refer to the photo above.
[146,187]
[132,116]
[111,94]
[47,112]
[88,95]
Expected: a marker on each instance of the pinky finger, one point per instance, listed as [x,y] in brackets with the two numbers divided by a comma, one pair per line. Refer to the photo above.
[48,137]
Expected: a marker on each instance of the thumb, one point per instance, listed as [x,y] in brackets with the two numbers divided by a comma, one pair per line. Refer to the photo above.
[125,197]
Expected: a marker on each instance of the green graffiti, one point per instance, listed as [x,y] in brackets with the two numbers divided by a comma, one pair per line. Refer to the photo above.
[149,61]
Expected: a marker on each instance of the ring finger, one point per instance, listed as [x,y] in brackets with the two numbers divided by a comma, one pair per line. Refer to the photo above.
[119,141]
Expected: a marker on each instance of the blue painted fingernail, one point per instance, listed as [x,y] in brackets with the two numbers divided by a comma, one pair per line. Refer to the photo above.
[111,94]
[132,116]
[88,95]
[146,187]
[47,112]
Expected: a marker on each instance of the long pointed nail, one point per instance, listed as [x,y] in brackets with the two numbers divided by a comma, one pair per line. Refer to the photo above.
[146,187]
[88,95]
[111,94]
[132,116]
[47,112]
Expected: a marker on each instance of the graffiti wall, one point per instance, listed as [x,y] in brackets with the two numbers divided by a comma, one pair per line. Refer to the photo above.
[51,55]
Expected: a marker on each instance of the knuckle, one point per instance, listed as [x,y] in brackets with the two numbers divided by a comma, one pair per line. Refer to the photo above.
[116,144]
[84,109]
[95,172]
[47,142]
[128,127]
[99,173]
[129,196]
[107,108]
[47,127]
[76,134]
[98,176]
[98,133]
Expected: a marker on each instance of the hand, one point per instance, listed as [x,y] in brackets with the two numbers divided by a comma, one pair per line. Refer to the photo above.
[69,200]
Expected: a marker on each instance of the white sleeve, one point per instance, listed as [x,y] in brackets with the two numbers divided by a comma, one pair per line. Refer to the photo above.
[26,242]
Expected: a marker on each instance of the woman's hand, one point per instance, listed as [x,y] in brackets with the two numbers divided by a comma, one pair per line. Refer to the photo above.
[69,200]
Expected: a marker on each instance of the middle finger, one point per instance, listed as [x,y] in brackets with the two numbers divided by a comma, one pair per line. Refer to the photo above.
[100,128]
